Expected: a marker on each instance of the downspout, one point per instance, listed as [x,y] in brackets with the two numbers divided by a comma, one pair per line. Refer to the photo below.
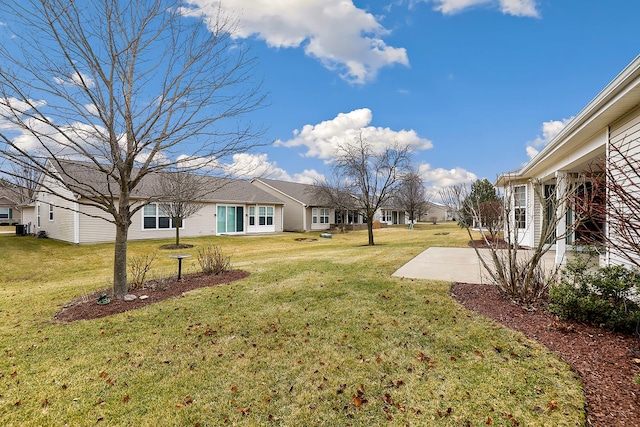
[76,223]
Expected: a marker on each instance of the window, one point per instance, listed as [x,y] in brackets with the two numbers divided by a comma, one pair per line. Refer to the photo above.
[320,215]
[265,215]
[5,213]
[520,206]
[50,212]
[252,215]
[38,214]
[230,219]
[324,216]
[156,216]
[550,212]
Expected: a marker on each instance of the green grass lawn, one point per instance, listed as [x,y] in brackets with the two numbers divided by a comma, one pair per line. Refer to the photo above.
[318,334]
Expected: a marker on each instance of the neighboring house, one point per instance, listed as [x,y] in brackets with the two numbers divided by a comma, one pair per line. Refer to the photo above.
[10,209]
[391,215]
[611,118]
[436,212]
[302,210]
[235,207]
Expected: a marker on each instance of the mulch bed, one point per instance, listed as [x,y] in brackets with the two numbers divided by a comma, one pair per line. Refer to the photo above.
[607,362]
[87,307]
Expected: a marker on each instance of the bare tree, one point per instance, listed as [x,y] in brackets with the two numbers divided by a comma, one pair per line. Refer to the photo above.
[411,196]
[181,195]
[129,88]
[519,274]
[370,176]
[335,194]
[613,198]
[24,179]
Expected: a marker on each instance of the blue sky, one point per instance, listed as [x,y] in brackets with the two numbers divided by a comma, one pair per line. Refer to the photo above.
[474,85]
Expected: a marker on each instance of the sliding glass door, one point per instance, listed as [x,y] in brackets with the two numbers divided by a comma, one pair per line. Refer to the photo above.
[230,219]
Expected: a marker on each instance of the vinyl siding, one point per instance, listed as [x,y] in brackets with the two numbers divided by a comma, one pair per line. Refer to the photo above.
[293,210]
[625,134]
[203,223]
[62,226]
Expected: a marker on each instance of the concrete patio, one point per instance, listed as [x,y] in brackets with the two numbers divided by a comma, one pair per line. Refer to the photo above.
[453,265]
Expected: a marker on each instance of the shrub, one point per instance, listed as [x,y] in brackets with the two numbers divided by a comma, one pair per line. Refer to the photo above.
[599,297]
[521,279]
[213,261]
[139,266]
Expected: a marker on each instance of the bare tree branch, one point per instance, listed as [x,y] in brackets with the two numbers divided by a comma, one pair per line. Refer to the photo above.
[127,88]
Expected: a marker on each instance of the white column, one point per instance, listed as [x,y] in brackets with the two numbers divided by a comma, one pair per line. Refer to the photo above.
[304,217]
[561,210]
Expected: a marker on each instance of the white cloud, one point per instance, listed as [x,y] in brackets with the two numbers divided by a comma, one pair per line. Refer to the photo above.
[549,131]
[191,162]
[75,80]
[440,177]
[9,106]
[246,165]
[92,109]
[308,176]
[509,7]
[323,139]
[336,32]
[519,8]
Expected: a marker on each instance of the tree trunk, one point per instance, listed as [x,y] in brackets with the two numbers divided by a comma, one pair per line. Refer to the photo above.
[120,286]
[370,230]
[177,222]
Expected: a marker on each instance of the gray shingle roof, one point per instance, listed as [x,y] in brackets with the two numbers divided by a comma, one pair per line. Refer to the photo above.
[86,178]
[304,193]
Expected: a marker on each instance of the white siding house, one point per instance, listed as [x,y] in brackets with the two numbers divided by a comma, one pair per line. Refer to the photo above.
[610,119]
[303,211]
[234,207]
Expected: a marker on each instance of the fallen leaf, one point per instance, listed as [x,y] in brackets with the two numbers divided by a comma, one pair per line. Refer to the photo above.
[552,405]
[244,411]
[126,399]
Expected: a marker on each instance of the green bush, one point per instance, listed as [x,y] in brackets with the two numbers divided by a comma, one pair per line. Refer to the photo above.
[600,297]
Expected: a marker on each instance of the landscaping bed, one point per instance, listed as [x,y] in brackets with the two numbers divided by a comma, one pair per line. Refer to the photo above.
[87,307]
[607,362]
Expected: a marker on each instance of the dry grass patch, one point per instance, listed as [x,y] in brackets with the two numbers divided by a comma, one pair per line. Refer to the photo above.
[309,338]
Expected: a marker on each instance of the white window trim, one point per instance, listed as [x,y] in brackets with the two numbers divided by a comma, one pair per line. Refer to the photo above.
[522,205]
[51,216]
[324,215]
[157,216]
